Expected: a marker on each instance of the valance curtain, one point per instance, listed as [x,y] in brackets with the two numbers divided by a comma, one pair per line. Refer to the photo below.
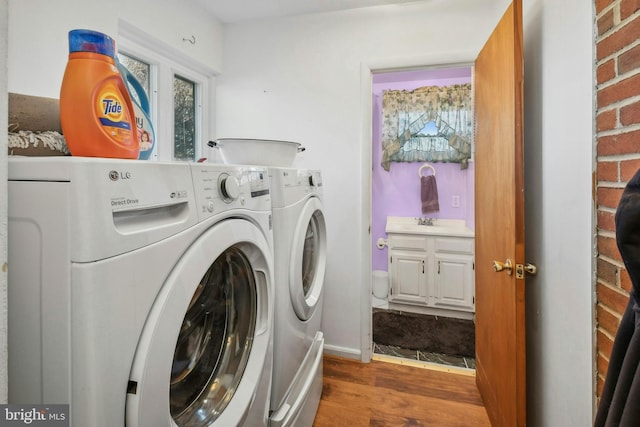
[431,123]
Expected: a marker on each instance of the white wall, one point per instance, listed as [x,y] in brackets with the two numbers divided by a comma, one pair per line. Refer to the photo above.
[559,135]
[306,79]
[4,119]
[38,35]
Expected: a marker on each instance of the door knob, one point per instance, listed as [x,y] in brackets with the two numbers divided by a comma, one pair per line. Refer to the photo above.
[500,266]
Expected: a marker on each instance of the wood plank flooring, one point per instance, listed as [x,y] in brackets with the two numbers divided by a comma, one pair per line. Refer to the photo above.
[381,394]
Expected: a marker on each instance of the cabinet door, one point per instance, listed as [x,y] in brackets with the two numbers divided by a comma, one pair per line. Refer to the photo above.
[453,282]
[408,276]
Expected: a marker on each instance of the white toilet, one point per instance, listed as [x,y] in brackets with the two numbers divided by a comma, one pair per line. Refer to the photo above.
[380,289]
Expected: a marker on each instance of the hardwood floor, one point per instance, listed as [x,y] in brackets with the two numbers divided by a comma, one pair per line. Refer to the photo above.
[381,394]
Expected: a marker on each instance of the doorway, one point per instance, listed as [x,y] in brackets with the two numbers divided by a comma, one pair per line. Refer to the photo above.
[425,332]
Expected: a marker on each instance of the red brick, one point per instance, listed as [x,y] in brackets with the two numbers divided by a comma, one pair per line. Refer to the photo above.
[613,281]
[628,8]
[607,272]
[628,168]
[607,171]
[606,221]
[619,91]
[602,4]
[629,61]
[607,320]
[608,248]
[605,22]
[622,143]
[625,280]
[609,197]
[600,384]
[606,71]
[615,300]
[630,114]
[617,40]
[606,120]
[602,364]
[604,344]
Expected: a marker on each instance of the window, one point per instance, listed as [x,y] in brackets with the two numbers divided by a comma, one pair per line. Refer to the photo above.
[184,123]
[178,89]
[140,69]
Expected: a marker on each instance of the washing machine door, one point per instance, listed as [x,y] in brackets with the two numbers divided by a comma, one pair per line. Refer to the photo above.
[205,345]
[309,258]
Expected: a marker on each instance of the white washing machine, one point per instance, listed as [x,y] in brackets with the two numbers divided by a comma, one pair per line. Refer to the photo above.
[141,293]
[300,250]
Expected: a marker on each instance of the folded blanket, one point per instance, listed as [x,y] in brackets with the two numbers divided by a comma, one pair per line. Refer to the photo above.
[429,194]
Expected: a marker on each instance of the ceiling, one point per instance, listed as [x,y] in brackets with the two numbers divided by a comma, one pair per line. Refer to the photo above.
[230,11]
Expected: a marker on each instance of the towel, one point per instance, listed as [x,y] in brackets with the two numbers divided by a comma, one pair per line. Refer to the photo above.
[429,194]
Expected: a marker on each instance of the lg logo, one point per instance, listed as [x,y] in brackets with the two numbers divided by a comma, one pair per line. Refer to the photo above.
[115,175]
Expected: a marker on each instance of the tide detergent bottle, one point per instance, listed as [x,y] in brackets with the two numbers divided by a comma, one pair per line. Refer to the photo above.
[96,113]
[142,111]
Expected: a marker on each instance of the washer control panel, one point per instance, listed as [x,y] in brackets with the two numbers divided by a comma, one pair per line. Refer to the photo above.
[219,188]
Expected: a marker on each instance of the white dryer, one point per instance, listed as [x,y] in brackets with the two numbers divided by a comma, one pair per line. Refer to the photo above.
[141,293]
[300,250]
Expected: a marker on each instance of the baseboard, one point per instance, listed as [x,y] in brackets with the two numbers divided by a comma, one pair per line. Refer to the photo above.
[346,352]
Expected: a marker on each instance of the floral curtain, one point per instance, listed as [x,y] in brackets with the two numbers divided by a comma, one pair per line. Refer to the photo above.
[431,123]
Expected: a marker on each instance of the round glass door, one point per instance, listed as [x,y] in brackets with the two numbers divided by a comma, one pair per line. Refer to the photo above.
[214,342]
[309,257]
[204,351]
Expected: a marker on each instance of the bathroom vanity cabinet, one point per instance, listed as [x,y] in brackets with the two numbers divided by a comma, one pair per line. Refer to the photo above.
[431,269]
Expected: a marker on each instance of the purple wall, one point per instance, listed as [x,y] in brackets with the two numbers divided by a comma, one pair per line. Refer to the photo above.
[397,192]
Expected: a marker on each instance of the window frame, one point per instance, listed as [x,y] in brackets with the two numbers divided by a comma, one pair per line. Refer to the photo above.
[165,63]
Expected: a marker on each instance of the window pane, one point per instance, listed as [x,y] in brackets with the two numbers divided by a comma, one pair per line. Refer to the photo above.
[141,70]
[184,103]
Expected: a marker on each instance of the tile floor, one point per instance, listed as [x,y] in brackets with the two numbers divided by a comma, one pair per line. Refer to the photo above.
[441,359]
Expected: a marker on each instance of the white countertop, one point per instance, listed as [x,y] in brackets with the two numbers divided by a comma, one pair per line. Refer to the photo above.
[440,227]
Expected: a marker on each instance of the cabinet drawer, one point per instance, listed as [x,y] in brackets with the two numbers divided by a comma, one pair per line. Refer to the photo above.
[407,242]
[454,244]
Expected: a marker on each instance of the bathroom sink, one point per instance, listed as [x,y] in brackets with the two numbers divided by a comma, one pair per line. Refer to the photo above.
[439,227]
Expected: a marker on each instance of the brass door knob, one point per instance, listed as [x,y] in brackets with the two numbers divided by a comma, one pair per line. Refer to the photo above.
[503,266]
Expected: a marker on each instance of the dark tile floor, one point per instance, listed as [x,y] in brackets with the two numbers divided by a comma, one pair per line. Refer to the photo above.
[442,359]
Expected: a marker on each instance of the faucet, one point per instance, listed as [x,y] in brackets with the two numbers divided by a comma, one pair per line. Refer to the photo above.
[425,221]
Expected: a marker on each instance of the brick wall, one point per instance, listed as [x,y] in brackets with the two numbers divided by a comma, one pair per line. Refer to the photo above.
[618,155]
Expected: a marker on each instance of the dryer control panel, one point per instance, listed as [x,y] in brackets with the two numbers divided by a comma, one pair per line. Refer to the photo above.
[292,185]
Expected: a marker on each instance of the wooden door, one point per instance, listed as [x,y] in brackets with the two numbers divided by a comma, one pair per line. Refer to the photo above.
[499,194]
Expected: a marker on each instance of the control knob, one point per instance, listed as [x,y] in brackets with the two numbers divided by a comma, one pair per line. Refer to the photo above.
[229,187]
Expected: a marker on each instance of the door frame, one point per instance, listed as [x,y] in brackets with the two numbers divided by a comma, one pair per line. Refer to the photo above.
[450,59]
